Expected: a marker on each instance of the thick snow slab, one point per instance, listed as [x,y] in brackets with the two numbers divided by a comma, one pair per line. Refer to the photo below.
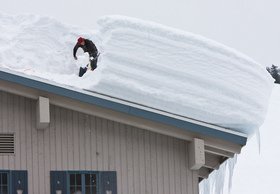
[182,73]
[147,63]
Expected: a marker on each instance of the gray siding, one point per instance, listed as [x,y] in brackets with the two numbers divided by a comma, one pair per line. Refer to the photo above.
[145,162]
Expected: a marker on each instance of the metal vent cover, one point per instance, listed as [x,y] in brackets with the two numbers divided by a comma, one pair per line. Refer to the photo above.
[7,143]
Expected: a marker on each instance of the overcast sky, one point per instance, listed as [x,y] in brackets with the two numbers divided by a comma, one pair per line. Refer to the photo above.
[250,26]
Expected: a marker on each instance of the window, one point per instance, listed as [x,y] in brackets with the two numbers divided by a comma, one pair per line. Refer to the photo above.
[3,183]
[83,182]
[80,182]
[13,180]
[75,183]
[91,186]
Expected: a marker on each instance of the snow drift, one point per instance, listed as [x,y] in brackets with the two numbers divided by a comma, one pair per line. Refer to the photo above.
[147,63]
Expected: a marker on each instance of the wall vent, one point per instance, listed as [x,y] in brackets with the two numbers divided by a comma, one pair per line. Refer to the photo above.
[7,144]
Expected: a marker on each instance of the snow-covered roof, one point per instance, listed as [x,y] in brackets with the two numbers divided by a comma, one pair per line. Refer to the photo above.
[124,106]
[146,63]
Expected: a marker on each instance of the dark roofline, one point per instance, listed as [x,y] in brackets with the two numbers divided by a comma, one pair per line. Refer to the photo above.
[142,112]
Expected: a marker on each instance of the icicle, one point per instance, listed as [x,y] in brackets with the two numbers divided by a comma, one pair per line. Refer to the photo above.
[258,136]
[215,184]
[231,165]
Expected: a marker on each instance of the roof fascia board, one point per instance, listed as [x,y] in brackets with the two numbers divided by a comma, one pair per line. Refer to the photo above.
[104,102]
[116,116]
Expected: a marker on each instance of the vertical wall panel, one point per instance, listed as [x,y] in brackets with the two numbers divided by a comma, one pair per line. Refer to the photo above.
[12,125]
[41,170]
[29,137]
[87,141]
[159,163]
[165,160]
[145,162]
[81,127]
[117,150]
[105,153]
[70,143]
[124,173]
[47,158]
[195,181]
[57,128]
[177,167]
[18,139]
[23,135]
[153,155]
[5,126]
[64,139]
[183,165]
[2,113]
[148,170]
[142,173]
[93,142]
[135,158]
[52,139]
[171,165]
[129,158]
[190,177]
[34,146]
[99,152]
[111,146]
[76,142]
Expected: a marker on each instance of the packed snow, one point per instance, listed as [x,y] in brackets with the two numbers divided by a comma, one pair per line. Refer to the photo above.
[144,62]
[253,171]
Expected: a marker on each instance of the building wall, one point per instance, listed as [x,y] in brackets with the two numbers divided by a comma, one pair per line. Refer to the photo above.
[145,162]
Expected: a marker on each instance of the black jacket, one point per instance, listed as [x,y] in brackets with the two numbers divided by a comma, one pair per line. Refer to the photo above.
[88,47]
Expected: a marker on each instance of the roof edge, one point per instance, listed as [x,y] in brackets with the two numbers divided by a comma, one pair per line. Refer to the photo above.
[124,106]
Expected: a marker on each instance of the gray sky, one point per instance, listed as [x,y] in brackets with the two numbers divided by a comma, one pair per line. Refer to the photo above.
[250,26]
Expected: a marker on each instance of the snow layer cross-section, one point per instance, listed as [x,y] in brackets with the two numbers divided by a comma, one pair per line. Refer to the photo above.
[182,73]
[146,63]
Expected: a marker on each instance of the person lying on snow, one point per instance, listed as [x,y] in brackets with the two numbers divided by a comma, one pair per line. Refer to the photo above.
[88,46]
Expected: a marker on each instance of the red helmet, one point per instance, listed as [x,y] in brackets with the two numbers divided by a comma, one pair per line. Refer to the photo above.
[80,40]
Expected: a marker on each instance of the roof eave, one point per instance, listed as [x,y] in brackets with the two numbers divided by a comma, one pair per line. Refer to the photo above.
[123,106]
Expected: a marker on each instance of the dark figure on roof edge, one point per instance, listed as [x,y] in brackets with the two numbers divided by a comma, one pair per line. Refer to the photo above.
[87,46]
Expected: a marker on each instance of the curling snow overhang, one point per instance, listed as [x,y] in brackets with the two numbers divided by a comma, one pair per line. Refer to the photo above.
[127,107]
